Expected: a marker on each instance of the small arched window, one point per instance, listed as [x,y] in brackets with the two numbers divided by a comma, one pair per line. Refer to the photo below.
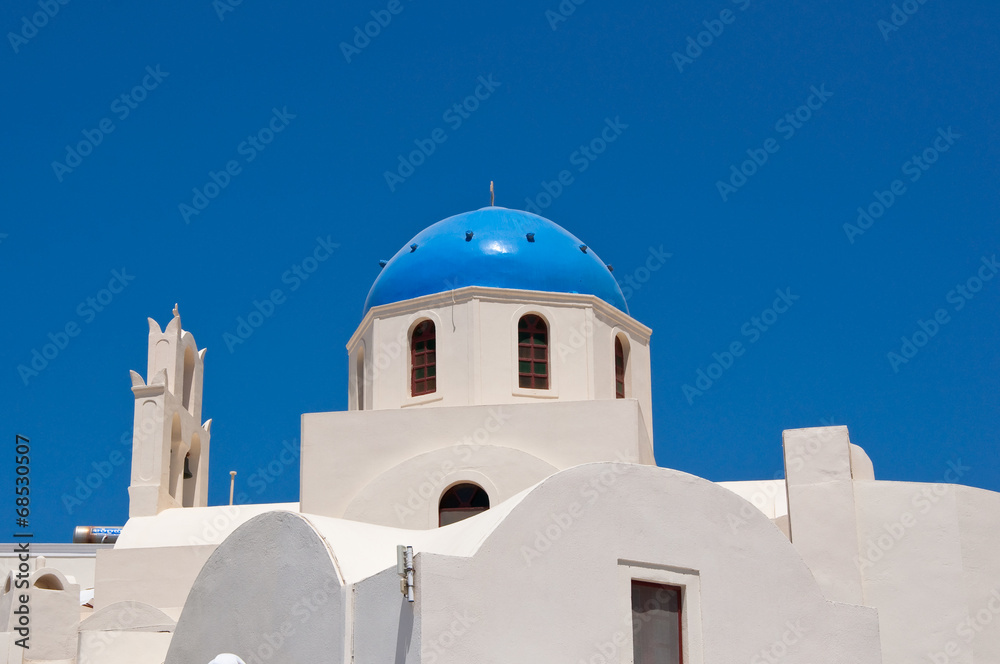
[423,370]
[460,502]
[533,352]
[620,360]
[49,582]
[176,459]
[188,377]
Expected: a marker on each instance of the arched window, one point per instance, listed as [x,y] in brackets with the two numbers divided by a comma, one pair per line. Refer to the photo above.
[176,458]
[533,352]
[190,474]
[49,582]
[188,377]
[620,360]
[460,502]
[423,372]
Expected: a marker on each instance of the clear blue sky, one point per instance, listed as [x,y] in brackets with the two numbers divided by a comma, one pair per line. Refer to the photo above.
[880,96]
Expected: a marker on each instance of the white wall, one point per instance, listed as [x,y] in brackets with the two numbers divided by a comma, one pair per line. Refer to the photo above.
[157,558]
[549,583]
[160,577]
[924,555]
[511,447]
[546,580]
[821,508]
[408,495]
[73,560]
[768,496]
[53,613]
[270,591]
[928,555]
[125,633]
[386,627]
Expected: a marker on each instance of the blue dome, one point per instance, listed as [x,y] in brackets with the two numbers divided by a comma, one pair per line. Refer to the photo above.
[499,255]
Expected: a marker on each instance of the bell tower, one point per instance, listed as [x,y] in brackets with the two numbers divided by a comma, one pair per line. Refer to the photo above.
[169,446]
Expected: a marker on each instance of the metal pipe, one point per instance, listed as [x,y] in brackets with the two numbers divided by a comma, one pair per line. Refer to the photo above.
[96,534]
[404,567]
[409,574]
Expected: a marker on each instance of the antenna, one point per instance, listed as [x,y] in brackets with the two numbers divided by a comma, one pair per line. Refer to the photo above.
[491,193]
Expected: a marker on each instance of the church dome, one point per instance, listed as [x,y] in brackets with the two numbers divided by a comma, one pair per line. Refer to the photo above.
[506,249]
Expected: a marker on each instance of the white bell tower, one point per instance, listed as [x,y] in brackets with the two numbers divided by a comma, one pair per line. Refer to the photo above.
[169,446]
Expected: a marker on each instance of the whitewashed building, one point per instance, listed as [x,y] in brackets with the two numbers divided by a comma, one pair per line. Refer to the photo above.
[500,431]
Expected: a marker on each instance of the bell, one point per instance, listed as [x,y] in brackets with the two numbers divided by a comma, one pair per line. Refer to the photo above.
[187,466]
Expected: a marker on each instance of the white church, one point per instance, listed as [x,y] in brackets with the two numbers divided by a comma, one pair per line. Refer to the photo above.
[491,496]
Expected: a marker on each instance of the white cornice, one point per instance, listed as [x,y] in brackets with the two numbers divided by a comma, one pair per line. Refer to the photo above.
[503,295]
